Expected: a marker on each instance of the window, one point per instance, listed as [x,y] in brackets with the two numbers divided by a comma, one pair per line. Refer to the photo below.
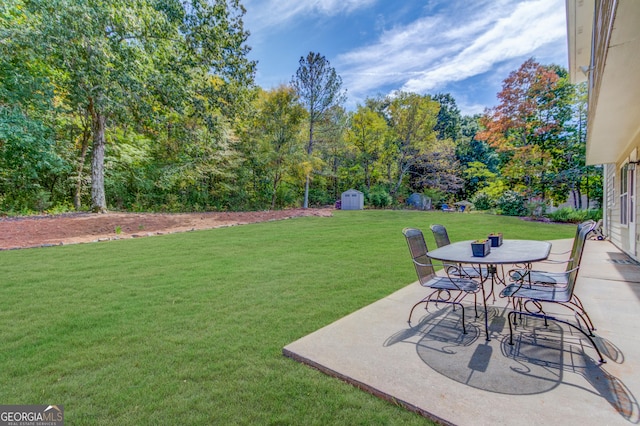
[624,195]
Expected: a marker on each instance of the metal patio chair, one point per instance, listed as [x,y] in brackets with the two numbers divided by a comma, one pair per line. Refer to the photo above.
[445,289]
[535,276]
[578,228]
[442,239]
[530,299]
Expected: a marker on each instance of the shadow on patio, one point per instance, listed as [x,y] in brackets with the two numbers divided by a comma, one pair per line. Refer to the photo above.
[550,374]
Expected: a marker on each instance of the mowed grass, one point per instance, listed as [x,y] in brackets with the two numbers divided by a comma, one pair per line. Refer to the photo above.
[189,328]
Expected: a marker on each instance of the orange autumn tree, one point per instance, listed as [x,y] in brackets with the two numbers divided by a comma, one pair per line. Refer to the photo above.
[527,127]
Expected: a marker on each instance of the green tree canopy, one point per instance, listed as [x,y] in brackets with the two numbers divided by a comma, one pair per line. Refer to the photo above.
[527,123]
[366,135]
[120,59]
[277,127]
[319,88]
[413,118]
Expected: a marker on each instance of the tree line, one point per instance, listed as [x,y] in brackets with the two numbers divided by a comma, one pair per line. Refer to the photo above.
[151,105]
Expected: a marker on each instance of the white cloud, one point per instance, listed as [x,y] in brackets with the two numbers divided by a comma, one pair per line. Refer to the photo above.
[445,48]
[270,13]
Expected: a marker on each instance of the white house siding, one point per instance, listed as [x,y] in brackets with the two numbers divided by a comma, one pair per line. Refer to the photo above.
[617,230]
[604,38]
[637,210]
[612,211]
[613,229]
[610,204]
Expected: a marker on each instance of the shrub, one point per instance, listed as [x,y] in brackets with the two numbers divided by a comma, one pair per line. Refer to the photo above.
[511,203]
[60,208]
[379,197]
[25,203]
[570,215]
[319,197]
[482,201]
[536,208]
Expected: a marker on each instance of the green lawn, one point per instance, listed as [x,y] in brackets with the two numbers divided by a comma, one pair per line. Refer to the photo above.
[189,328]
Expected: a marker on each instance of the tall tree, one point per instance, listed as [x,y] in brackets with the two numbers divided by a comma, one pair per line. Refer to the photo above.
[470,149]
[449,118]
[366,135]
[526,125]
[27,141]
[333,150]
[118,59]
[477,159]
[278,122]
[413,118]
[439,169]
[319,88]
[574,177]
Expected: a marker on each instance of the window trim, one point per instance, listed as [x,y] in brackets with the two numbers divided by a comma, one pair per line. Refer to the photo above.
[624,195]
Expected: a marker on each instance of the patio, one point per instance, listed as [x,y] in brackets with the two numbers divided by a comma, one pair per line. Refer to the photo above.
[550,375]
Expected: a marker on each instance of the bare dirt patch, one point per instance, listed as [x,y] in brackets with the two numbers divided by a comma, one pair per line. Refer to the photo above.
[75,228]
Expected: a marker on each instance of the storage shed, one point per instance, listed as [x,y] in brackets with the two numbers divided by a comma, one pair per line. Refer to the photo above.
[352,200]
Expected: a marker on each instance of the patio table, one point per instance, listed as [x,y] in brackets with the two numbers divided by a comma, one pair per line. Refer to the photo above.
[514,252]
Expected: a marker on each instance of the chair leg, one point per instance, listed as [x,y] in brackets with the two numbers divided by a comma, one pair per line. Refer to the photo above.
[512,322]
[581,315]
[475,303]
[546,317]
[517,306]
[426,301]
[464,327]
[578,303]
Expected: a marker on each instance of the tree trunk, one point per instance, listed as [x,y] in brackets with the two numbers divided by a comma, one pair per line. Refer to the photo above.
[396,188]
[367,181]
[274,189]
[587,189]
[77,196]
[579,196]
[306,193]
[335,177]
[309,152]
[402,169]
[98,199]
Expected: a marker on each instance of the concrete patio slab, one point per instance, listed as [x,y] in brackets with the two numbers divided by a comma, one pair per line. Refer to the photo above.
[550,375]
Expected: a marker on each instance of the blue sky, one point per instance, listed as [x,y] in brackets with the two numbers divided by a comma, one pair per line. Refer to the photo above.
[463,47]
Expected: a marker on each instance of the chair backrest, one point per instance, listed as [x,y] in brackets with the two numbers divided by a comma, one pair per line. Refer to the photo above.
[578,245]
[589,222]
[581,238]
[418,250]
[441,235]
[598,225]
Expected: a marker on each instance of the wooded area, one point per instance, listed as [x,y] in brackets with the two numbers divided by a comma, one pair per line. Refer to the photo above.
[151,105]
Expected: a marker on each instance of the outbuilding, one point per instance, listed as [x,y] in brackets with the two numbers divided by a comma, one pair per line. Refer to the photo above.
[352,200]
